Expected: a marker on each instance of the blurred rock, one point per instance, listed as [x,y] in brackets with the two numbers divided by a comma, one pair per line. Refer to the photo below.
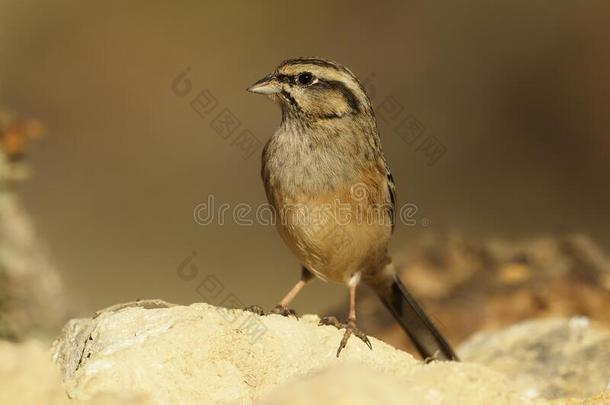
[468,285]
[205,354]
[32,299]
[31,292]
[599,399]
[29,377]
[549,358]
[439,383]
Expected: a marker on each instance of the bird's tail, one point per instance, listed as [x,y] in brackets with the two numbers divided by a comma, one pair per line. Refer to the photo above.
[425,336]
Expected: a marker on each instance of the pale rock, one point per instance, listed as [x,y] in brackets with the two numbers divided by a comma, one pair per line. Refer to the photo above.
[32,296]
[549,358]
[29,377]
[201,354]
[432,384]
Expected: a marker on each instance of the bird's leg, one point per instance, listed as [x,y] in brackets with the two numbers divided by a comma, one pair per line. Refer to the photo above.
[282,307]
[350,326]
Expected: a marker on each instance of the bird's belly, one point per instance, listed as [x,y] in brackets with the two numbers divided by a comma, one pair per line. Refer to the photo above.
[334,238]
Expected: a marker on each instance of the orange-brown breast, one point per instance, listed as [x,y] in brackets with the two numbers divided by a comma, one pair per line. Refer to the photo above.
[339,232]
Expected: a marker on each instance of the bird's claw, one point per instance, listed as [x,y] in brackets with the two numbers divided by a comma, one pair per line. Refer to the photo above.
[284,311]
[256,309]
[279,309]
[350,329]
[331,321]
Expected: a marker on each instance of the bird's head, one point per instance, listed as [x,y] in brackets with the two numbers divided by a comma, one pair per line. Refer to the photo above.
[314,89]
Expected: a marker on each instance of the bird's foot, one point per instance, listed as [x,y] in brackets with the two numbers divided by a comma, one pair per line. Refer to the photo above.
[284,311]
[256,309]
[279,310]
[350,329]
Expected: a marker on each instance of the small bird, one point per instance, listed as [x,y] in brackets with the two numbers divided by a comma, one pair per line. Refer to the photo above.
[327,179]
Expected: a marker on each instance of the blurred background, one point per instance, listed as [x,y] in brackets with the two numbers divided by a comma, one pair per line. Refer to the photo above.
[516,94]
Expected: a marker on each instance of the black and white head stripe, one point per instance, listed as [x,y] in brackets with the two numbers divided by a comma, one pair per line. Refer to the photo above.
[316,62]
[347,94]
[321,75]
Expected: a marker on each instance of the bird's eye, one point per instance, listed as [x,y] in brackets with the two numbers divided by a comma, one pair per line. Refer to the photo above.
[305,78]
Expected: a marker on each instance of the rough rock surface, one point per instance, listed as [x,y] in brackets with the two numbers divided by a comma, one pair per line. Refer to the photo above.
[548,358]
[28,376]
[204,354]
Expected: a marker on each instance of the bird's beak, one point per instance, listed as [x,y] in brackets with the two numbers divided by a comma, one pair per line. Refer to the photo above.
[267,85]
